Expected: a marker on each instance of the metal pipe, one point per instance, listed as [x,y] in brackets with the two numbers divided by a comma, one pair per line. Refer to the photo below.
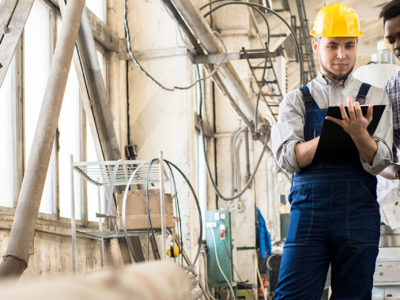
[23,227]
[207,39]
[73,223]
[100,225]
[246,138]
[162,207]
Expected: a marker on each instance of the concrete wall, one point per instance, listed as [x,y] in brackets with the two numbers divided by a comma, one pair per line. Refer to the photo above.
[162,120]
[51,251]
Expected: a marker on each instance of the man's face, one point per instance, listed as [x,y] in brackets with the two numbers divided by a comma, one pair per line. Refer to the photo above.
[392,35]
[337,56]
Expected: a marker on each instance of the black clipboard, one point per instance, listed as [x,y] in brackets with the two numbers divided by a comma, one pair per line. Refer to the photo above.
[335,144]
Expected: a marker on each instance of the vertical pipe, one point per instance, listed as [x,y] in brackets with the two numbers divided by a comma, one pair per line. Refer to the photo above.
[73,224]
[215,141]
[23,227]
[100,225]
[246,141]
[162,206]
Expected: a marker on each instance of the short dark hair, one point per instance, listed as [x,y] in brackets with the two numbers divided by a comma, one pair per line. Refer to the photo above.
[390,10]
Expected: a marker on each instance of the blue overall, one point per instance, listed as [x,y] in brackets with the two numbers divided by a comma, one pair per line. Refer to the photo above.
[334,220]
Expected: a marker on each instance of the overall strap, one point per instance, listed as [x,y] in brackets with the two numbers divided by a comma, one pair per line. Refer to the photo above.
[362,92]
[307,98]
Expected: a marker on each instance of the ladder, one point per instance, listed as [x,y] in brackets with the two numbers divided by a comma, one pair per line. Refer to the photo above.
[304,38]
[273,97]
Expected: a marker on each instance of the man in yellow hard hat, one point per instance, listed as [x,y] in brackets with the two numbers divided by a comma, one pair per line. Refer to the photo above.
[334,217]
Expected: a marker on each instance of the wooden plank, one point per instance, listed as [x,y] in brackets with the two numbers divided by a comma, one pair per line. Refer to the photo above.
[104,35]
[96,106]
[16,18]
[7,8]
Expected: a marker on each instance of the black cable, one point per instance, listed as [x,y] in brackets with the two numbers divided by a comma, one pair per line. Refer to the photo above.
[263,8]
[211,17]
[215,140]
[128,42]
[210,175]
[237,272]
[204,147]
[253,5]
[201,93]
[148,208]
[198,209]
[254,8]
[180,234]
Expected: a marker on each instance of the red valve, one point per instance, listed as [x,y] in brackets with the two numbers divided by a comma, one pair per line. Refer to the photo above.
[222,230]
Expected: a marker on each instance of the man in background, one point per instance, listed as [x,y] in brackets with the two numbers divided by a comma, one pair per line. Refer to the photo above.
[391,23]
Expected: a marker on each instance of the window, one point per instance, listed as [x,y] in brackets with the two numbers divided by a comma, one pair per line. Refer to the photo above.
[73,135]
[69,142]
[99,8]
[7,140]
[37,57]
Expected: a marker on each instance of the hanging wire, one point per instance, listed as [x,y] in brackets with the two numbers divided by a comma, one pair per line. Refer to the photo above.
[219,266]
[210,175]
[263,8]
[198,210]
[134,59]
[148,208]
[178,211]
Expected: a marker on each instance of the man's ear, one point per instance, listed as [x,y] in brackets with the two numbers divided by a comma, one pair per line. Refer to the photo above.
[315,45]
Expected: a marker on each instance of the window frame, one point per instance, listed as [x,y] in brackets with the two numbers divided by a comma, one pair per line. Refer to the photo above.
[102,36]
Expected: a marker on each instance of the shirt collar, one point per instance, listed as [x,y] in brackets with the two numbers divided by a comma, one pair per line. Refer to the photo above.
[327,82]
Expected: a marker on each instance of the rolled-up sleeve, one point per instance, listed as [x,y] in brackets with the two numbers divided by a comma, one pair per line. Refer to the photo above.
[288,131]
[383,136]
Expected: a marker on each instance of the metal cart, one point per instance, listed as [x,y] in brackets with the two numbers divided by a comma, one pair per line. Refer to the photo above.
[110,175]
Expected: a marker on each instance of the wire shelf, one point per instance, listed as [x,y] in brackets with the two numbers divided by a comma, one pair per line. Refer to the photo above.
[119,172]
[117,234]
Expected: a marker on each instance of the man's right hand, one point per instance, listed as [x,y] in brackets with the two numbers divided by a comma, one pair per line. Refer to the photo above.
[305,152]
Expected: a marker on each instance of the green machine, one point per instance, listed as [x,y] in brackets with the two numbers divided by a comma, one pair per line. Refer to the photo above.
[219,243]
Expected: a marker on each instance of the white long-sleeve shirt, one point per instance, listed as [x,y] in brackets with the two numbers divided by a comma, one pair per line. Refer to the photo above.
[289,129]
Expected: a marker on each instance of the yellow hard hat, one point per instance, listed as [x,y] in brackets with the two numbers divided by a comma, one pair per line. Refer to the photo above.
[336,20]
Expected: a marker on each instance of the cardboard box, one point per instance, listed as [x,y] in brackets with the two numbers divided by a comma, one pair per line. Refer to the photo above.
[136,210]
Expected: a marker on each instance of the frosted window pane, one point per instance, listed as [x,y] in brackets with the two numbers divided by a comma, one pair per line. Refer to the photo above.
[98,7]
[93,202]
[7,117]
[68,125]
[37,62]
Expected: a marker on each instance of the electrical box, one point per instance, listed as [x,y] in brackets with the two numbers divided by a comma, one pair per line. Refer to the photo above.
[219,243]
